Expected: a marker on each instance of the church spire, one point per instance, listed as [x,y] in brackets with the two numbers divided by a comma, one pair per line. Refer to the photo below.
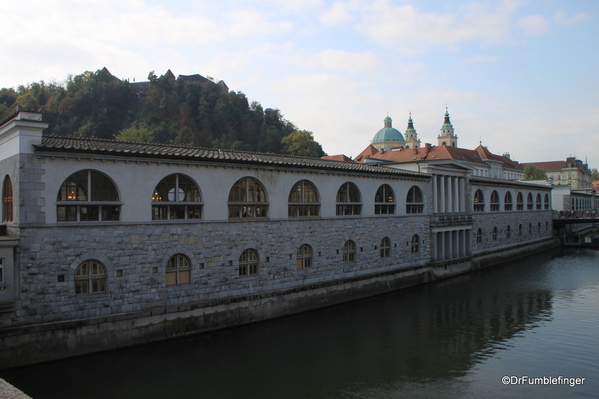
[447,136]
[411,135]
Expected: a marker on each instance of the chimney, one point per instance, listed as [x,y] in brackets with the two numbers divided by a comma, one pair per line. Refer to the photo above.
[427,148]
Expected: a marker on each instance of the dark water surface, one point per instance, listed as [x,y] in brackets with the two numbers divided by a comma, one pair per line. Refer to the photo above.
[457,338]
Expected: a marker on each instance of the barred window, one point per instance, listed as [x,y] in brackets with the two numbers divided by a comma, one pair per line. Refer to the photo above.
[303,200]
[494,205]
[90,278]
[88,195]
[7,201]
[479,201]
[176,197]
[529,203]
[478,236]
[385,247]
[507,206]
[178,270]
[508,232]
[247,199]
[248,263]
[384,201]
[546,203]
[349,252]
[494,233]
[304,257]
[415,244]
[539,202]
[348,200]
[519,202]
[414,200]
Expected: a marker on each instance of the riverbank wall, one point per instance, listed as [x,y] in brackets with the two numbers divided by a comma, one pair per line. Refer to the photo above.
[49,341]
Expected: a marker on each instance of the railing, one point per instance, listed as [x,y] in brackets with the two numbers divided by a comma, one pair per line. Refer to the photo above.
[451,219]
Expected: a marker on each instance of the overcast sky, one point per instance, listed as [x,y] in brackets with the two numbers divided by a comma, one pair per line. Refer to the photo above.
[520,76]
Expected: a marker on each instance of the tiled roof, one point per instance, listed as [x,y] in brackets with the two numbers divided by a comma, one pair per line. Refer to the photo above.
[437,152]
[59,144]
[339,157]
[548,166]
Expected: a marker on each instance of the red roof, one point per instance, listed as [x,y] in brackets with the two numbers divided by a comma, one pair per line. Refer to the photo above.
[340,157]
[437,152]
[548,166]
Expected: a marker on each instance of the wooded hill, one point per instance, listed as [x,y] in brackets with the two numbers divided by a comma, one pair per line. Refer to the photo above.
[187,110]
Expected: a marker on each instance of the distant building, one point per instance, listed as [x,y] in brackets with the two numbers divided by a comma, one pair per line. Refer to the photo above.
[570,172]
[389,147]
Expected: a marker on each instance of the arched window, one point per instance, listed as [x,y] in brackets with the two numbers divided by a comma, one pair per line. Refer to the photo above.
[479,201]
[90,278]
[303,200]
[539,227]
[385,247]
[384,201]
[415,244]
[7,202]
[530,229]
[88,195]
[546,203]
[414,200]
[304,257]
[520,229]
[529,203]
[519,202]
[539,202]
[349,252]
[478,236]
[348,200]
[178,270]
[247,199]
[248,263]
[176,197]
[507,205]
[494,205]
[494,233]
[508,232]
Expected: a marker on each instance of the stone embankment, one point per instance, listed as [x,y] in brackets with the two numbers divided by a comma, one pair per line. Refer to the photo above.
[7,391]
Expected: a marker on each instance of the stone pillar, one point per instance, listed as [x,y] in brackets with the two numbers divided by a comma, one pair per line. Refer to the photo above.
[442,196]
[435,194]
[449,194]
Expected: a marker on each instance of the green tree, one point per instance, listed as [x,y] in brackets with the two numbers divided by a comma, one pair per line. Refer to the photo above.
[531,172]
[594,174]
[138,132]
[302,143]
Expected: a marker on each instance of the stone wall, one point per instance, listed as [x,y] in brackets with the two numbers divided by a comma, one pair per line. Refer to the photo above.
[135,257]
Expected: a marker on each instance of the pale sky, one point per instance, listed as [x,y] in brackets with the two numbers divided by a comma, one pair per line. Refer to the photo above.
[520,76]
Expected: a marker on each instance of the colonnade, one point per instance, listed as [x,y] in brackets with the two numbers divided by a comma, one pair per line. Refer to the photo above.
[450,243]
[449,194]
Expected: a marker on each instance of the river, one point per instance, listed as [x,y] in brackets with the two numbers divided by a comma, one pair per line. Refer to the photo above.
[532,323]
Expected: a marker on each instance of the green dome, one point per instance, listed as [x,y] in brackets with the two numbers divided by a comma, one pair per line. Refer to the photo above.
[388,133]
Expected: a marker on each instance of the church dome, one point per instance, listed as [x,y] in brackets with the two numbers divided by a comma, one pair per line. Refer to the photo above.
[388,134]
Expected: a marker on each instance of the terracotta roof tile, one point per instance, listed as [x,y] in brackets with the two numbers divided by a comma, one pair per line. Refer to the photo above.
[60,144]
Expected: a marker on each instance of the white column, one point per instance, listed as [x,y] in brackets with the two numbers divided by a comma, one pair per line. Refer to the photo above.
[449,194]
[435,193]
[442,196]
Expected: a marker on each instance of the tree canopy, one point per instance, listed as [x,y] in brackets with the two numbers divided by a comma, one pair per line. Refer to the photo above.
[186,110]
[532,172]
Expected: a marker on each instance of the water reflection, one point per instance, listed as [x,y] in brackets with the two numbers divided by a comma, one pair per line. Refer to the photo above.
[444,339]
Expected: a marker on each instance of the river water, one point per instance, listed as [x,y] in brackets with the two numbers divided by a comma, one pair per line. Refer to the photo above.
[532,319]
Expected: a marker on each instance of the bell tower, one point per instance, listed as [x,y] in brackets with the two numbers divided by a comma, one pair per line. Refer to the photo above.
[411,135]
[447,136]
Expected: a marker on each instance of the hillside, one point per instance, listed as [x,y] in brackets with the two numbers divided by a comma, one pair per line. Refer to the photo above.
[185,110]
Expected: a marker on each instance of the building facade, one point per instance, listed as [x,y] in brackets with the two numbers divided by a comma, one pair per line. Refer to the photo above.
[109,244]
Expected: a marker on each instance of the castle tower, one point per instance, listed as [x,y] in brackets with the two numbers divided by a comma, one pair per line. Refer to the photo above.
[447,135]
[411,135]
